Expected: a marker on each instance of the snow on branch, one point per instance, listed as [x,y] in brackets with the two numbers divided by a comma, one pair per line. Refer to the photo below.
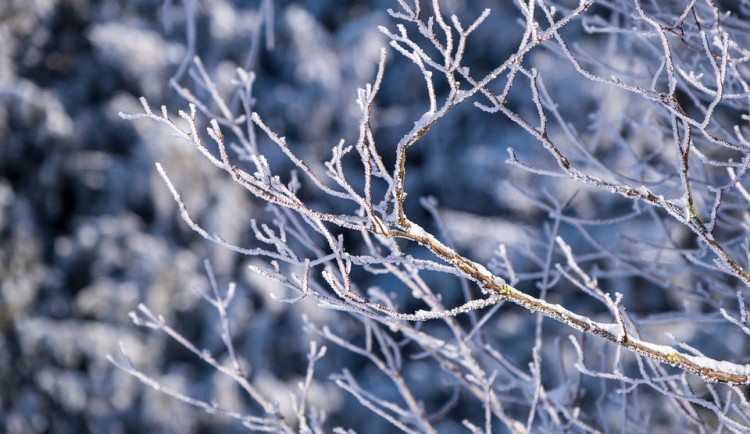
[674,163]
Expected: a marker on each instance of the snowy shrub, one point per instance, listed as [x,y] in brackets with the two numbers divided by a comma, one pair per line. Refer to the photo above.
[534,218]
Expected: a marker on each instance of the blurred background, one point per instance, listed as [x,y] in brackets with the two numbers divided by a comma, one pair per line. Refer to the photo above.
[88,230]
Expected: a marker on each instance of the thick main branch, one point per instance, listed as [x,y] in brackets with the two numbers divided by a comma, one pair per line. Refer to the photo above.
[708,369]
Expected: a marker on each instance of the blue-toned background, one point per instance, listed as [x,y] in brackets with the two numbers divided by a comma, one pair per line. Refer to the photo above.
[88,230]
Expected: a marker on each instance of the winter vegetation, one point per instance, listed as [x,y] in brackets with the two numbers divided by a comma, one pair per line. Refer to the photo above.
[424,216]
